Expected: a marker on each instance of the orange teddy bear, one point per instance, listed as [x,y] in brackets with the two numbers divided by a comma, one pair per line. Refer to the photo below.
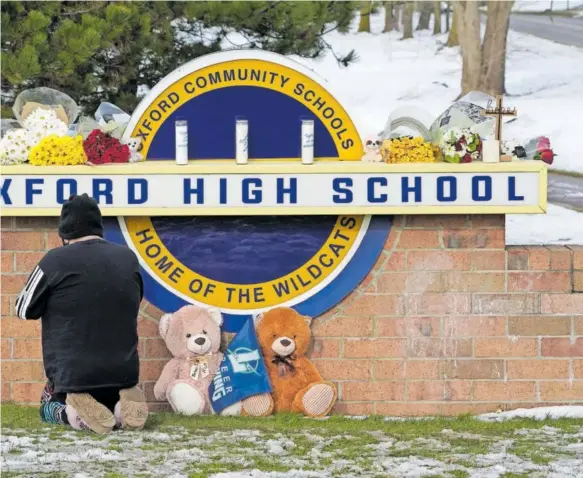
[284,337]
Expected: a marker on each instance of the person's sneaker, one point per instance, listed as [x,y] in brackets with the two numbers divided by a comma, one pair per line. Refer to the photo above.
[90,413]
[133,409]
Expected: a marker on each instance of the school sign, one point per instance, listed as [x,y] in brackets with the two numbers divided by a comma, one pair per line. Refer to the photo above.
[246,238]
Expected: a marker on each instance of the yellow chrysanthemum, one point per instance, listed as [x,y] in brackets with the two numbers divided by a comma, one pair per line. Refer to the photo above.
[58,150]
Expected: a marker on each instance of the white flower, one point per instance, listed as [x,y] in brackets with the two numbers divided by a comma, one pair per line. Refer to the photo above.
[41,123]
[15,146]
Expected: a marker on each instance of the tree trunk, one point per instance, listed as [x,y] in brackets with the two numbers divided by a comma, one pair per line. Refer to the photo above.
[425,16]
[408,20]
[364,24]
[397,17]
[452,39]
[391,17]
[467,15]
[494,48]
[448,6]
[437,18]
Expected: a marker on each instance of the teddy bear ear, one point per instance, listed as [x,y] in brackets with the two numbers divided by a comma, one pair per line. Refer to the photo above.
[164,325]
[257,318]
[307,320]
[216,315]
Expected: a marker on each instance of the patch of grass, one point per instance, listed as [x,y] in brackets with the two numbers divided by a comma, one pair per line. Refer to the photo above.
[212,468]
[470,446]
[117,448]
[15,451]
[114,475]
[509,474]
[459,473]
[531,450]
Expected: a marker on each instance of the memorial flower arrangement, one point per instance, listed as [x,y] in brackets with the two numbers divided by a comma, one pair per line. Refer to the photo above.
[15,147]
[102,148]
[460,145]
[407,150]
[543,150]
[58,151]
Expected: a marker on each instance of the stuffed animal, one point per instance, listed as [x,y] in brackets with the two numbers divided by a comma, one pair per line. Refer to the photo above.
[284,337]
[372,153]
[193,336]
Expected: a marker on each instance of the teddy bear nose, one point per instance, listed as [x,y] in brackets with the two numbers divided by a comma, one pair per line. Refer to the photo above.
[200,341]
[285,342]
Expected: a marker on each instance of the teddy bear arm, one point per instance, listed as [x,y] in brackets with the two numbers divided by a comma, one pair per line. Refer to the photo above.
[309,370]
[169,374]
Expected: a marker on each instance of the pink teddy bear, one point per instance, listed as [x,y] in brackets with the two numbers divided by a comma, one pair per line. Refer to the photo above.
[193,336]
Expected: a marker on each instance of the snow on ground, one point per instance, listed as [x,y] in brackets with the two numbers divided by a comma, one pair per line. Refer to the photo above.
[179,452]
[543,6]
[558,226]
[540,413]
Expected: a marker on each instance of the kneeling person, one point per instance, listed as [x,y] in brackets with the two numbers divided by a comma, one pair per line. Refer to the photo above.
[88,295]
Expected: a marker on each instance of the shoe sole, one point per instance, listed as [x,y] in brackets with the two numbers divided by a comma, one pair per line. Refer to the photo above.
[133,409]
[96,415]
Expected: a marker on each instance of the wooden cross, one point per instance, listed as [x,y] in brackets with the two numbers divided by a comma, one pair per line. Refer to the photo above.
[498,112]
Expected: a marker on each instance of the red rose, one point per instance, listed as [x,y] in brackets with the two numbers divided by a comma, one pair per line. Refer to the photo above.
[543,143]
[547,156]
[467,158]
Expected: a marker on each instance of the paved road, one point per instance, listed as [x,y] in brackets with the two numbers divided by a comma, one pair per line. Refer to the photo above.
[566,191]
[565,30]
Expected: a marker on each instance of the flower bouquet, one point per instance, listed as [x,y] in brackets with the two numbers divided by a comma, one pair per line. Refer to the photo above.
[407,150]
[541,147]
[103,148]
[461,145]
[58,151]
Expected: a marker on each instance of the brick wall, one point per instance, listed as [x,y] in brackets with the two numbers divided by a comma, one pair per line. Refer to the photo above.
[449,321]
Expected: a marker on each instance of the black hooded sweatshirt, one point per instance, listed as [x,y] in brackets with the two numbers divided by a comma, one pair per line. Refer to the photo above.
[88,294]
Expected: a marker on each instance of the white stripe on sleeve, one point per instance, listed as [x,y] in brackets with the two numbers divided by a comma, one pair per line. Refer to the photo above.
[28,292]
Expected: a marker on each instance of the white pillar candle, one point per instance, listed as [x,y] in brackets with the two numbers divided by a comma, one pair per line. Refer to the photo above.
[242,140]
[491,151]
[307,141]
[181,153]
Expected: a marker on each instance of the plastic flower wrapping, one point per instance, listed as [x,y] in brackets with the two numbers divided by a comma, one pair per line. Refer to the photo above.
[460,145]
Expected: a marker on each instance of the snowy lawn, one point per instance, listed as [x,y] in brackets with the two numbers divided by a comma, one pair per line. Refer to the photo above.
[291,446]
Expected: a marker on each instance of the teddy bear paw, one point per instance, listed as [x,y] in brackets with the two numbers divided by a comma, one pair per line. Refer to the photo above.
[185,399]
[258,405]
[319,399]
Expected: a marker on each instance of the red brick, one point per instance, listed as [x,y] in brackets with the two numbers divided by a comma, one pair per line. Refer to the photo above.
[363,391]
[422,369]
[6,390]
[148,389]
[488,220]
[578,281]
[7,259]
[7,223]
[53,241]
[438,304]
[560,258]
[344,369]
[28,392]
[506,347]
[437,221]
[462,408]
[23,241]
[539,258]
[517,259]
[13,283]
[473,326]
[562,304]
[577,257]
[39,222]
[407,326]
[147,327]
[375,304]
[488,260]
[389,370]
[474,281]
[27,261]
[151,369]
[467,369]
[22,371]
[5,305]
[159,407]
[14,327]
[353,408]
[156,348]
[343,327]
[521,369]
[567,390]
[419,239]
[539,282]
[152,311]
[367,284]
[5,348]
[505,304]
[438,260]
[395,262]
[27,348]
[539,325]
[578,368]
[393,239]
[474,239]
[561,347]
[577,325]
[374,348]
[439,347]
[325,348]
[438,390]
[511,391]
[408,409]
[409,282]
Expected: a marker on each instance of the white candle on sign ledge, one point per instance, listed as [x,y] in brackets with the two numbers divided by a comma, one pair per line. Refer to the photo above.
[307,141]
[242,141]
[181,152]
[491,151]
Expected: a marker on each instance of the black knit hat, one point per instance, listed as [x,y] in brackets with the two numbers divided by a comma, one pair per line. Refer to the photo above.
[80,217]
